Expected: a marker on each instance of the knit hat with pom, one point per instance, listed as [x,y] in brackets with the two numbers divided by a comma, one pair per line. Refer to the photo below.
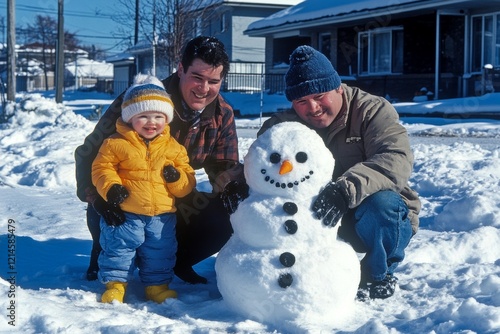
[146,94]
[310,72]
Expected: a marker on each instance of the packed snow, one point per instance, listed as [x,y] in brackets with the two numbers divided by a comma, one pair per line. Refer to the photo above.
[448,283]
[279,263]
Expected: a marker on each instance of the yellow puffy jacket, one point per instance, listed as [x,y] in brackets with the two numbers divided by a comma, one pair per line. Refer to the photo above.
[126,159]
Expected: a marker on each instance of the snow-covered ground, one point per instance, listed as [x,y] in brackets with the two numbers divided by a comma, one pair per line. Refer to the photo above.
[449,281]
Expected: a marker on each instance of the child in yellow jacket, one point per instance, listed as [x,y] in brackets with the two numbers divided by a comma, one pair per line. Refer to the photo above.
[140,171]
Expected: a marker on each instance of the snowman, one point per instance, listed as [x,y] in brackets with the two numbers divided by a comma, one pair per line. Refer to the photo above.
[282,266]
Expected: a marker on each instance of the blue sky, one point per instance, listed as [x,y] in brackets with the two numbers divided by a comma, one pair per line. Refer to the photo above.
[89,19]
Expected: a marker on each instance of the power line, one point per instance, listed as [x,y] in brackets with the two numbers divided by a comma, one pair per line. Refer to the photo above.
[102,37]
[97,14]
[44,10]
[35,9]
[71,13]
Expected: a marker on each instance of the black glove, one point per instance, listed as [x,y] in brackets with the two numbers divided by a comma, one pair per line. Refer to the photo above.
[171,174]
[331,204]
[232,195]
[112,215]
[116,194]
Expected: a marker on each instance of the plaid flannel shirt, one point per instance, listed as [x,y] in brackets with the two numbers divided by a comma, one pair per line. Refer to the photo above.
[210,140]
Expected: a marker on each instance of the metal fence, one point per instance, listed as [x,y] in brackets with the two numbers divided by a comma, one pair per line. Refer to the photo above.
[254,82]
[251,77]
[237,82]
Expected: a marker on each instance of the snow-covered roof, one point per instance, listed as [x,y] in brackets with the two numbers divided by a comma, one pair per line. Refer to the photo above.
[205,3]
[141,46]
[90,68]
[123,56]
[318,11]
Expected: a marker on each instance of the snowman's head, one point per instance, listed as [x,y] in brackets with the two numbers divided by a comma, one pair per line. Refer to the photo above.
[288,160]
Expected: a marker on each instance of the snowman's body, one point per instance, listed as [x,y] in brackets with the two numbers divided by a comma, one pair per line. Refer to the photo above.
[282,265]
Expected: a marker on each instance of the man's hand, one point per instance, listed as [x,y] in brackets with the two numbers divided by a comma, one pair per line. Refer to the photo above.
[232,195]
[116,194]
[331,204]
[171,174]
[112,215]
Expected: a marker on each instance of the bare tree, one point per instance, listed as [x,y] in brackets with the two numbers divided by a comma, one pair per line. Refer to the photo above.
[3,26]
[167,24]
[95,53]
[43,33]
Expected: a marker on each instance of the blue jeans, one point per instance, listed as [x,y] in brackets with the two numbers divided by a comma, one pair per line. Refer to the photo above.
[143,241]
[379,227]
[202,228]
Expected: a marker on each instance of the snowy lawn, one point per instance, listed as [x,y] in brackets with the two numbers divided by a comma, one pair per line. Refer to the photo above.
[449,281]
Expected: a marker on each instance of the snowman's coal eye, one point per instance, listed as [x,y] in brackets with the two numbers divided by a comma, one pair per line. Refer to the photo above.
[275,158]
[301,157]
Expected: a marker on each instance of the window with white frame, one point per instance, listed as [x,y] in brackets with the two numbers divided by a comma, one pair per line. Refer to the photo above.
[485,41]
[381,51]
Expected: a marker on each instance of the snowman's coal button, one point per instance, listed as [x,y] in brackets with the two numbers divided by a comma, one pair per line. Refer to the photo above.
[290,208]
[291,226]
[287,259]
[285,280]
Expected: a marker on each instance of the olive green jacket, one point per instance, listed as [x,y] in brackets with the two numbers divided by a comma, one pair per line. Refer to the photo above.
[370,146]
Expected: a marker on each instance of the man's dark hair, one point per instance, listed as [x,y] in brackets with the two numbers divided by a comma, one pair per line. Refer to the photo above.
[208,49]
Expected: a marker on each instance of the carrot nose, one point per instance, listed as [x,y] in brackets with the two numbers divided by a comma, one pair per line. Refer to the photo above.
[286,167]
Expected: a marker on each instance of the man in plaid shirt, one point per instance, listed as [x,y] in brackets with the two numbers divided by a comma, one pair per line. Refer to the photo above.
[204,123]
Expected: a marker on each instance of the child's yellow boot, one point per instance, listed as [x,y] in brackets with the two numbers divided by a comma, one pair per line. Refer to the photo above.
[158,293]
[114,291]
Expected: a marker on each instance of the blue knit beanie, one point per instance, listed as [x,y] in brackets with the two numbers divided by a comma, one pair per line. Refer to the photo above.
[310,72]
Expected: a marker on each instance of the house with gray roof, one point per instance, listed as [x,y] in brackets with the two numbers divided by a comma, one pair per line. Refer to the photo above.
[227,19]
[224,19]
[394,48]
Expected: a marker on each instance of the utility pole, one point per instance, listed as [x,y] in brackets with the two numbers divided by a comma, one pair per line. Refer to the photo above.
[11,50]
[136,35]
[136,27]
[153,70]
[60,52]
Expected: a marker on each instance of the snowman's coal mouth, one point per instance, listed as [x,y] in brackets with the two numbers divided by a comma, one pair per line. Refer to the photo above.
[285,185]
